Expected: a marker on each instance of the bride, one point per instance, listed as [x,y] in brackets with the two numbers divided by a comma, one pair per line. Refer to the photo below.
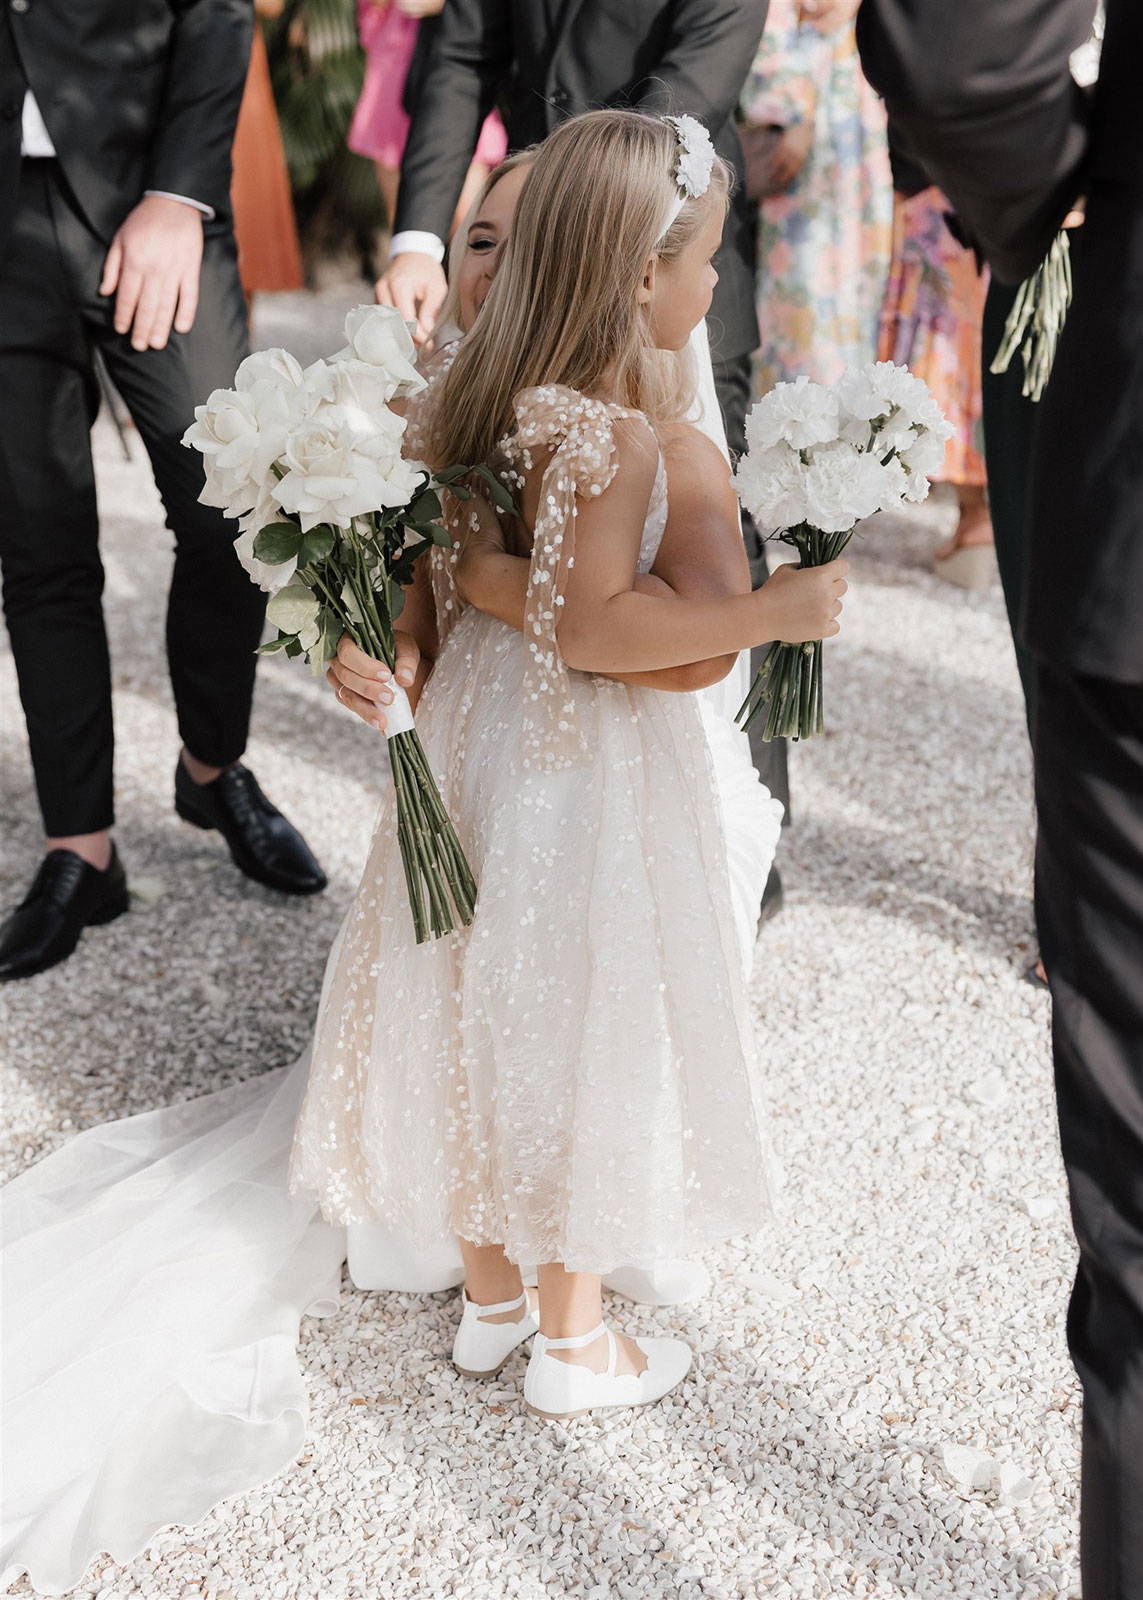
[156,1269]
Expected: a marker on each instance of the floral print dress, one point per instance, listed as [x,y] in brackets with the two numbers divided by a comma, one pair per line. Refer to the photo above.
[823,245]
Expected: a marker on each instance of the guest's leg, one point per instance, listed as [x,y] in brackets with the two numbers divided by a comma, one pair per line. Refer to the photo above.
[1009,432]
[49,530]
[732,380]
[215,613]
[1089,901]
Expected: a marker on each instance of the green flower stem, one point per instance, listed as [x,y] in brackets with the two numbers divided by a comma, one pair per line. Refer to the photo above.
[788,685]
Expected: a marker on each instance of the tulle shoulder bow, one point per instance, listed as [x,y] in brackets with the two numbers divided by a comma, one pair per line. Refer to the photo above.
[576,435]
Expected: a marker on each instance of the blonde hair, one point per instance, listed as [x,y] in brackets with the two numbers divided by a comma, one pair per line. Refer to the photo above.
[563,306]
[449,319]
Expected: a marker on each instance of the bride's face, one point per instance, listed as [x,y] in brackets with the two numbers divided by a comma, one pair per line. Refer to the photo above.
[487,236]
[678,293]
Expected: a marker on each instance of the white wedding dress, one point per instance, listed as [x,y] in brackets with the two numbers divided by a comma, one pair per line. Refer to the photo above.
[156,1269]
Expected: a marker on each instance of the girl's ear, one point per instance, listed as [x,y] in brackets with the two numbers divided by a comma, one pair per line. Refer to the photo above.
[646,290]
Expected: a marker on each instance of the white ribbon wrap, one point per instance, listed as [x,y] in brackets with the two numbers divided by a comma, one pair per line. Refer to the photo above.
[399,714]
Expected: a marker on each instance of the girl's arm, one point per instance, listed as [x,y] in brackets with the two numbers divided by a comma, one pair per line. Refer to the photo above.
[701,556]
[609,626]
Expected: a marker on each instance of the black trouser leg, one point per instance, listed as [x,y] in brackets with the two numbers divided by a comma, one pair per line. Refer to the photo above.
[732,381]
[1089,903]
[49,529]
[214,612]
[1009,433]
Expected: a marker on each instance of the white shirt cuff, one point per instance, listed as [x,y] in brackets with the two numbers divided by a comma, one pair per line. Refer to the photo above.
[183,199]
[413,239]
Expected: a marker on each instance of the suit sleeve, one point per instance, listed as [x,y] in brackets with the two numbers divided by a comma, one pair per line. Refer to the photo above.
[711,47]
[981,95]
[206,74]
[471,57]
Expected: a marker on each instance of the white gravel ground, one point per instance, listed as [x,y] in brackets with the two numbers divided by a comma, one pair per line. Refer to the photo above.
[912,1302]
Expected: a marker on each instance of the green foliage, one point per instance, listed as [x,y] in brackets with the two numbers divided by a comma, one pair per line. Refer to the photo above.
[316,65]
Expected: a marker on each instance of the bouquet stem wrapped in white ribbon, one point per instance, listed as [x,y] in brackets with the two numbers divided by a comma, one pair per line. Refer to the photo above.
[333,519]
[819,460]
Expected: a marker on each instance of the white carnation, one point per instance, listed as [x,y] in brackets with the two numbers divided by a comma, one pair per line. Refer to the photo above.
[380,337]
[800,413]
[842,486]
[343,462]
[771,485]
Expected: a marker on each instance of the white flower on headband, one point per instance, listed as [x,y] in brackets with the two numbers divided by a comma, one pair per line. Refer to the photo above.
[696,156]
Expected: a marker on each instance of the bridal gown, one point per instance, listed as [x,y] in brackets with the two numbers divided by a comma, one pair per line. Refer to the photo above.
[156,1269]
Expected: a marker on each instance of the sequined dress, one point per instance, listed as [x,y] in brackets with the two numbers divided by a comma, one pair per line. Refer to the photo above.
[572,1077]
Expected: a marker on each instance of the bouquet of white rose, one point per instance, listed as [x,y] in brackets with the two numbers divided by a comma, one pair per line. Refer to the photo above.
[333,519]
[818,461]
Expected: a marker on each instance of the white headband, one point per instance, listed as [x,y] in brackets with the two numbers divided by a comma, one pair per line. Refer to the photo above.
[693,166]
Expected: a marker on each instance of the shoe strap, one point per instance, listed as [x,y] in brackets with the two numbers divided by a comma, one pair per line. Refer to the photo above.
[499,1309]
[579,1340]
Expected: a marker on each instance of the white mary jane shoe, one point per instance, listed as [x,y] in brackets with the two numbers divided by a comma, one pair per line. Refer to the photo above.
[480,1347]
[667,1283]
[557,1389]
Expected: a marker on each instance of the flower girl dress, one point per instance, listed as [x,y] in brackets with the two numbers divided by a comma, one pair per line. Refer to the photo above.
[573,1074]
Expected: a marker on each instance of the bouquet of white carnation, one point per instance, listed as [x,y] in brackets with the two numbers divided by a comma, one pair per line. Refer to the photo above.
[333,519]
[818,461]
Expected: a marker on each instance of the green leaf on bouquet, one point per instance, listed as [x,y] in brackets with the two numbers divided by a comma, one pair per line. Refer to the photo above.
[293,609]
[438,534]
[294,649]
[498,494]
[451,474]
[278,542]
[316,545]
[272,646]
[425,508]
[396,600]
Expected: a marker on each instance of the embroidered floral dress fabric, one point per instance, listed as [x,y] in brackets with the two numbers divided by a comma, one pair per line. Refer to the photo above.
[572,1077]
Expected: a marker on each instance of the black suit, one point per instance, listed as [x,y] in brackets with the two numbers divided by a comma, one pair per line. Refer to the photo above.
[542,61]
[1013,145]
[136,95]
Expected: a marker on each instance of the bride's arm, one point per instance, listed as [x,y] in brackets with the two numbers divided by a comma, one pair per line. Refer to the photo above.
[701,556]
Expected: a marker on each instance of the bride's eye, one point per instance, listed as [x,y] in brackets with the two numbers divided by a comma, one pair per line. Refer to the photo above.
[482,244]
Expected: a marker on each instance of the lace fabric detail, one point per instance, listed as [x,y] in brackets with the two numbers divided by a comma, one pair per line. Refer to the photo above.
[579,434]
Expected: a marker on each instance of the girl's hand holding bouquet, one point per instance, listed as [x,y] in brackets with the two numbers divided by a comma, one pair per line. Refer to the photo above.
[819,460]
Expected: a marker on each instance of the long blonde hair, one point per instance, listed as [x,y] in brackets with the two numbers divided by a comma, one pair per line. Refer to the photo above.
[563,306]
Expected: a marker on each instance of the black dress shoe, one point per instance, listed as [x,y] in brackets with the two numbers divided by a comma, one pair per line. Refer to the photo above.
[262,843]
[67,896]
[773,898]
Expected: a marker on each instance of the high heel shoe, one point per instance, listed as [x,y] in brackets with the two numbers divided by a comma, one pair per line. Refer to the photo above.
[480,1347]
[557,1389]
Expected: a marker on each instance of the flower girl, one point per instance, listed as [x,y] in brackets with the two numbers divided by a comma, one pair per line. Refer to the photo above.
[571,1081]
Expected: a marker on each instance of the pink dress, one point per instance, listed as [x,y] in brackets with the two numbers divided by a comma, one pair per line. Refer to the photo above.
[380,126]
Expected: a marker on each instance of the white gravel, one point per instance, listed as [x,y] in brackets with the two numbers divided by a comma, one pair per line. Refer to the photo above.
[883,1405]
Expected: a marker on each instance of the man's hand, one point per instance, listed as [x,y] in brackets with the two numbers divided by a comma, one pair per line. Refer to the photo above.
[152,269]
[416,285]
[363,685]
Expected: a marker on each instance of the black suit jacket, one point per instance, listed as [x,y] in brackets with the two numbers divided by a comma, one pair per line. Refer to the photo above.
[982,93]
[136,94]
[544,60]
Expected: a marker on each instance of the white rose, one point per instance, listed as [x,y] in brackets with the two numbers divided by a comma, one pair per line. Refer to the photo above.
[380,337]
[239,435]
[344,462]
[294,609]
[843,485]
[801,413]
[269,366]
[267,575]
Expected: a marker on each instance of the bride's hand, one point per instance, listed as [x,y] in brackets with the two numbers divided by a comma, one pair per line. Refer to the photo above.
[364,685]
